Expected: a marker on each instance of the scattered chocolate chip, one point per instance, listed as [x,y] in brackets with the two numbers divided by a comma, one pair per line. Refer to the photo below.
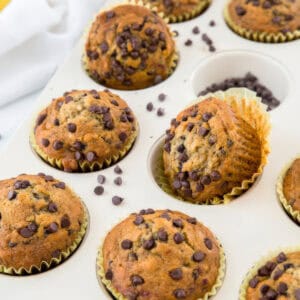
[178,238]
[271,294]
[198,256]
[126,244]
[208,243]
[212,139]
[45,142]
[110,14]
[118,170]
[101,179]
[188,42]
[71,127]
[40,119]
[48,178]
[196,30]
[56,122]
[192,221]
[25,232]
[118,181]
[212,23]
[11,195]
[190,126]
[116,200]
[182,157]
[147,211]
[277,274]
[206,116]
[176,274]
[179,294]
[203,131]
[12,244]
[78,146]
[104,47]
[93,55]
[282,288]
[181,148]
[139,220]
[65,221]
[178,223]
[21,184]
[162,235]
[122,137]
[52,207]
[52,228]
[240,11]
[149,106]
[211,48]
[99,190]
[264,289]
[215,175]
[90,156]
[205,179]
[281,257]
[68,98]
[57,145]
[60,185]
[149,244]
[160,112]
[136,280]
[109,274]
[253,282]
[162,97]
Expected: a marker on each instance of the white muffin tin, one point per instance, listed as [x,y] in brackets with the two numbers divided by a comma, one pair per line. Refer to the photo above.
[248,228]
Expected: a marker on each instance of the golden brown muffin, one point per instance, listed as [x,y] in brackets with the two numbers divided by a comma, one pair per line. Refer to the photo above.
[84,130]
[209,150]
[41,220]
[128,48]
[277,279]
[179,10]
[291,185]
[160,255]
[265,20]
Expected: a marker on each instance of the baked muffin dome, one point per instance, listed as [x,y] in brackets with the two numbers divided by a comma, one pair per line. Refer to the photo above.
[128,48]
[160,255]
[266,21]
[179,10]
[209,150]
[277,279]
[41,220]
[84,130]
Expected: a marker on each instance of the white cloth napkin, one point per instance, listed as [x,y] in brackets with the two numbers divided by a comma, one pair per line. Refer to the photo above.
[35,36]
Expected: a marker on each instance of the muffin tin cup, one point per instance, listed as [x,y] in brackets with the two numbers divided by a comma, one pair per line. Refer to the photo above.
[46,265]
[108,285]
[246,104]
[294,214]
[259,36]
[85,166]
[253,271]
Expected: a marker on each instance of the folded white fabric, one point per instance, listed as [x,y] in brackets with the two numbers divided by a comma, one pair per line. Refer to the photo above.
[35,36]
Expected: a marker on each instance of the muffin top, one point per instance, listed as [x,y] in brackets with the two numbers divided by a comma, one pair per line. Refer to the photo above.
[291,187]
[270,16]
[85,127]
[178,8]
[40,217]
[129,47]
[208,150]
[278,279]
[161,255]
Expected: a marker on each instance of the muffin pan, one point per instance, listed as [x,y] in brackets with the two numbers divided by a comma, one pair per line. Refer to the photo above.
[248,227]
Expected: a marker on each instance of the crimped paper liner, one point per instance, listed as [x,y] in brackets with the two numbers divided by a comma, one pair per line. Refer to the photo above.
[260,36]
[253,271]
[200,7]
[108,285]
[86,166]
[246,104]
[294,214]
[44,265]
[174,59]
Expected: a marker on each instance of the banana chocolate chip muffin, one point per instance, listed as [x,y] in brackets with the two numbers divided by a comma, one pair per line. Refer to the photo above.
[264,20]
[128,48]
[84,130]
[278,278]
[209,150]
[41,223]
[161,255]
[179,10]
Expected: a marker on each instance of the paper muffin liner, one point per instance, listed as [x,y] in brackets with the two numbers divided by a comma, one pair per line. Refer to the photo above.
[260,36]
[86,166]
[107,284]
[246,104]
[46,265]
[254,269]
[84,58]
[294,214]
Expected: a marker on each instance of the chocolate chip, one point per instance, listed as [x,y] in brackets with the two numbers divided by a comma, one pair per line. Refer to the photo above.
[104,47]
[12,244]
[99,190]
[240,11]
[212,139]
[69,98]
[271,294]
[176,274]
[52,228]
[212,23]
[205,179]
[118,181]
[122,137]
[288,266]
[206,116]
[182,157]
[211,48]
[56,122]
[196,30]
[71,127]
[90,156]
[21,184]
[93,55]
[282,288]
[277,274]
[178,238]
[65,221]
[139,220]
[160,112]
[78,146]
[162,97]
[48,178]
[52,207]
[181,148]
[190,126]
[162,235]
[25,232]
[118,170]
[57,145]
[149,106]
[149,244]
[179,294]
[110,14]
[78,155]
[147,211]
[297,294]
[101,179]
[60,185]
[188,42]
[40,119]
[116,200]
[208,243]
[198,256]
[126,244]
[215,175]
[192,221]
[178,223]
[45,142]
[136,280]
[11,195]
[281,257]
[203,131]
[109,274]
[253,282]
